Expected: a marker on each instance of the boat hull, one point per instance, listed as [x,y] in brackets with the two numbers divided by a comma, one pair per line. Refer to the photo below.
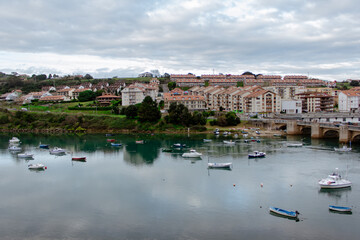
[340,209]
[334,186]
[282,212]
[220,165]
[78,158]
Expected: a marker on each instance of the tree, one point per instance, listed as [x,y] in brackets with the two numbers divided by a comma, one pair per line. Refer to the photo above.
[131,112]
[198,118]
[41,77]
[179,114]
[87,95]
[88,76]
[171,85]
[232,119]
[149,111]
[354,83]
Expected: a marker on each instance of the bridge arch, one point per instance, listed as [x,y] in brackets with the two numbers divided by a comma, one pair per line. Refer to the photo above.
[356,138]
[331,133]
[305,130]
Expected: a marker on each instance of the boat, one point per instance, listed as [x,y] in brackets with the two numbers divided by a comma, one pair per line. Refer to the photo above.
[179,145]
[340,209]
[57,150]
[236,135]
[25,155]
[225,133]
[116,144]
[257,132]
[110,140]
[246,141]
[207,140]
[277,135]
[109,134]
[334,181]
[257,154]
[229,142]
[37,166]
[166,150]
[14,140]
[220,165]
[45,146]
[294,145]
[282,212]
[343,149]
[192,154]
[14,148]
[79,158]
[139,142]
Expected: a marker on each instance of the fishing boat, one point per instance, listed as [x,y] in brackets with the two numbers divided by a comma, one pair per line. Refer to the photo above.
[229,142]
[192,154]
[257,154]
[343,149]
[139,142]
[14,148]
[110,140]
[340,209]
[116,144]
[79,158]
[37,166]
[294,145]
[207,140]
[334,181]
[282,212]
[220,165]
[25,155]
[166,150]
[57,150]
[45,146]
[14,140]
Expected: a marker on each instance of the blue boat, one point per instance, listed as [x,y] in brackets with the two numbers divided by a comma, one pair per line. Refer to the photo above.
[340,209]
[282,212]
[116,144]
[46,146]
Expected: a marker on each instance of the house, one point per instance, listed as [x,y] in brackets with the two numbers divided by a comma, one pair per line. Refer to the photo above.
[13,95]
[106,99]
[349,101]
[291,106]
[67,92]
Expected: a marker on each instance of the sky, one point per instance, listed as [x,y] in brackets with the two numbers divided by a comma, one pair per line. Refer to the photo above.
[107,38]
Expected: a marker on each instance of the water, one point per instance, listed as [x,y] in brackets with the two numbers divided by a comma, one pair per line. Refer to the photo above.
[139,192]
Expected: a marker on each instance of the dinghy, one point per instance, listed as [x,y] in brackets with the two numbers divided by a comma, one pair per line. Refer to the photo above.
[37,166]
[25,155]
[282,212]
[192,154]
[220,165]
[340,209]
[257,154]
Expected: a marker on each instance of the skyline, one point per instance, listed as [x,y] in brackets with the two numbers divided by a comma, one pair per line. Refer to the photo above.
[124,38]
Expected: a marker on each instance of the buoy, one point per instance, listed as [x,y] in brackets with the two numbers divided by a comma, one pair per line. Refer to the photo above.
[45,167]
[234,185]
[261,184]
[290,185]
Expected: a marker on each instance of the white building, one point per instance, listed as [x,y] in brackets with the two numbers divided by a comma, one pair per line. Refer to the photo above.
[290,106]
[349,101]
[135,93]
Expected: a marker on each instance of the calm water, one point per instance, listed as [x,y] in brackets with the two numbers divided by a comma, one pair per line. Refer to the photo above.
[139,192]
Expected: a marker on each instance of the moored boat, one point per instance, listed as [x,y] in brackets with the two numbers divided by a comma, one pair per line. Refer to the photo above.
[334,181]
[139,142]
[220,165]
[57,150]
[179,145]
[25,155]
[192,154]
[14,140]
[282,212]
[229,142]
[110,140]
[37,166]
[166,150]
[14,148]
[340,209]
[343,149]
[45,146]
[116,144]
[294,145]
[79,158]
[257,154]
[207,140]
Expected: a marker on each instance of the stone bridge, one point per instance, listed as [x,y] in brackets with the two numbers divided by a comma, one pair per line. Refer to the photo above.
[344,132]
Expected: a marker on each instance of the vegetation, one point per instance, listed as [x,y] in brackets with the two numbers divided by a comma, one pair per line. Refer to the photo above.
[228,119]
[148,111]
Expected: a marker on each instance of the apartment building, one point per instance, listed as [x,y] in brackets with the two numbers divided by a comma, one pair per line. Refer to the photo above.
[286,92]
[176,77]
[222,82]
[135,93]
[263,101]
[192,102]
[253,82]
[190,82]
[291,106]
[316,102]
[349,101]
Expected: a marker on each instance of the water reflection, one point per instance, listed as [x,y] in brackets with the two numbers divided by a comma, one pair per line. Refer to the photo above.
[335,193]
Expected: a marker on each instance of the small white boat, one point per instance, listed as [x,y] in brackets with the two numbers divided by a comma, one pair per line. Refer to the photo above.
[229,142]
[192,154]
[25,155]
[340,209]
[294,145]
[216,132]
[257,154]
[37,166]
[57,150]
[343,149]
[207,140]
[220,165]
[14,148]
[179,145]
[334,181]
[14,140]
[285,213]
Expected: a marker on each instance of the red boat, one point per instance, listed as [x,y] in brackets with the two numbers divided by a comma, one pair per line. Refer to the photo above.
[78,158]
[139,142]
[110,140]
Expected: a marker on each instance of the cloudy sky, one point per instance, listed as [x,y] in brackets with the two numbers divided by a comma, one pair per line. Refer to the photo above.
[123,38]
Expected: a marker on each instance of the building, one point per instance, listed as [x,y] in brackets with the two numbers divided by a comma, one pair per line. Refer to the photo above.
[67,92]
[262,101]
[222,82]
[349,101]
[176,77]
[58,98]
[316,102]
[135,93]
[76,92]
[291,106]
[190,82]
[106,99]
[192,102]
[286,92]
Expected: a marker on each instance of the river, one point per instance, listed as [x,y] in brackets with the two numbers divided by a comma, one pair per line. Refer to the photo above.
[136,191]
